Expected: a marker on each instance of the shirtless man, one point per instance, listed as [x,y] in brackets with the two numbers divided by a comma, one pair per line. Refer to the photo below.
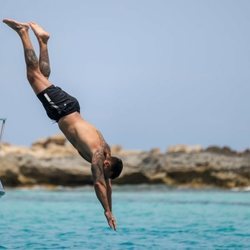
[65,110]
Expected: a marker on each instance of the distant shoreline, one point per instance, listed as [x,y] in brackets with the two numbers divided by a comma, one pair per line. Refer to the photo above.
[53,162]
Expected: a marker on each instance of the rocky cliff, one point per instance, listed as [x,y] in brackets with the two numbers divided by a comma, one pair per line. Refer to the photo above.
[53,161]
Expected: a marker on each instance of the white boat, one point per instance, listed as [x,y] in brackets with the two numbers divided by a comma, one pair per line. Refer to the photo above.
[2,192]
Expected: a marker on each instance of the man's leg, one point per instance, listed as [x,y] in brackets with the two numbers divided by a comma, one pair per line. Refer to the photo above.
[42,37]
[36,79]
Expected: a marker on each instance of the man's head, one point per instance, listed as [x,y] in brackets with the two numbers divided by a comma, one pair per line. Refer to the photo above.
[115,167]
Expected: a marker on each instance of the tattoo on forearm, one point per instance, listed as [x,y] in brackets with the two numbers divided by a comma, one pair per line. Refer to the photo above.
[31,58]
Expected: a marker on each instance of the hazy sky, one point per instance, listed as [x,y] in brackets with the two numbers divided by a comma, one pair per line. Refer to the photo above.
[146,73]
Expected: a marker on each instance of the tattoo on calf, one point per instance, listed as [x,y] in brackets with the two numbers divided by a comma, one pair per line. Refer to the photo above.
[45,68]
[31,58]
[44,63]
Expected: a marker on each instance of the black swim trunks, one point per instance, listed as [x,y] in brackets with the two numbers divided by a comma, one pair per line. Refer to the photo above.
[58,103]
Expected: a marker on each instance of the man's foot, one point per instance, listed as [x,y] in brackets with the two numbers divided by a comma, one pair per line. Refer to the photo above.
[18,27]
[40,33]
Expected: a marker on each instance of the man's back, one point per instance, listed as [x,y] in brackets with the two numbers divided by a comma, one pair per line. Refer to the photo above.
[82,135]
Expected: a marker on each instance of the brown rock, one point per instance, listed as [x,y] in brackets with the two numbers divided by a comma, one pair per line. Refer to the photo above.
[53,161]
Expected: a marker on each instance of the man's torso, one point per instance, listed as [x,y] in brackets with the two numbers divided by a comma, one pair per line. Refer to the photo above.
[82,135]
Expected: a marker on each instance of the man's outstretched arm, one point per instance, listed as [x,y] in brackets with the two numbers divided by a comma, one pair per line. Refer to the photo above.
[109,193]
[100,186]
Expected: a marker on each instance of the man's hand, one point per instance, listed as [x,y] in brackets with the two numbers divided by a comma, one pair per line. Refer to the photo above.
[111,220]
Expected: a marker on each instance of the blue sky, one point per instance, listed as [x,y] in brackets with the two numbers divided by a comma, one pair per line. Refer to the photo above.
[146,73]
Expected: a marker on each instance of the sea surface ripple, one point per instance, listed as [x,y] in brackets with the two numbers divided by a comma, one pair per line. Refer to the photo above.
[147,218]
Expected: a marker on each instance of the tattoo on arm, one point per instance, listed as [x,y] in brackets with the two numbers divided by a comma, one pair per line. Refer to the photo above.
[97,166]
[106,147]
[31,58]
[99,179]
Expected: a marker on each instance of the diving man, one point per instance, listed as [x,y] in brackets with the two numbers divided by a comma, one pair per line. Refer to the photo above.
[65,110]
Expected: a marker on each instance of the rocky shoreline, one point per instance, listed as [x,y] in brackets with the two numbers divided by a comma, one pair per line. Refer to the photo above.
[53,161]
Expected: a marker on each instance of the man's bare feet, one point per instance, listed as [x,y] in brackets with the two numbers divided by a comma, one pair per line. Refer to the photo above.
[40,33]
[17,26]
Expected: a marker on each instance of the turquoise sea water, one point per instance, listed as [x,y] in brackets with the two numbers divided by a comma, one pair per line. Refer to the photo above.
[147,217]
